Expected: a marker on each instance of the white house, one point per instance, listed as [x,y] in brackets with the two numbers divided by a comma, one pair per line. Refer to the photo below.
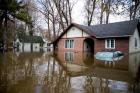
[29,43]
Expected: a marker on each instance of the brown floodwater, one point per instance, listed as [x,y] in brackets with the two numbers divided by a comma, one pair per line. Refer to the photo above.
[68,72]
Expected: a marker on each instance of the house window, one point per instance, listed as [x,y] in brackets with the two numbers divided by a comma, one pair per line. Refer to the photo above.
[69,56]
[136,43]
[110,43]
[69,43]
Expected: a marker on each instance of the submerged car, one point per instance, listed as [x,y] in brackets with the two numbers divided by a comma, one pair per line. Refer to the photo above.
[109,55]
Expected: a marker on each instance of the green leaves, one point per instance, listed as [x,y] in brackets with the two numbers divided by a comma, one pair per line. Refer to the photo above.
[23,16]
[15,9]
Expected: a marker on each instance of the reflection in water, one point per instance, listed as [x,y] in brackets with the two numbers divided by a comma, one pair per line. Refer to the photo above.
[137,81]
[69,56]
[68,72]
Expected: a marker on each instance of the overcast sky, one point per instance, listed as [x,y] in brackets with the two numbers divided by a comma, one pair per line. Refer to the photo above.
[78,15]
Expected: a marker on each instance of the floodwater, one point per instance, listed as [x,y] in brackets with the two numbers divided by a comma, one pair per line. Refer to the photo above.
[68,72]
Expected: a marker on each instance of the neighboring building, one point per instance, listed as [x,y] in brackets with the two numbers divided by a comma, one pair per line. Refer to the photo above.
[47,45]
[123,36]
[29,43]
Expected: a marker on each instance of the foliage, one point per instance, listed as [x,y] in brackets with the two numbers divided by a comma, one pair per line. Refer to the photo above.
[21,30]
[58,15]
[13,9]
[9,11]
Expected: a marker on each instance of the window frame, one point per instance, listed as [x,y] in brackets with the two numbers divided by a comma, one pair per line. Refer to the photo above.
[70,44]
[108,43]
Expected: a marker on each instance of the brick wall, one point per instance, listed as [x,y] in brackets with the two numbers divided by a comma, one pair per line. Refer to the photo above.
[78,45]
[78,57]
[99,45]
[122,44]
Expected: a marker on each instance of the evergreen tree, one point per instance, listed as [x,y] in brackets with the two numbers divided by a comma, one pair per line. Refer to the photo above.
[10,10]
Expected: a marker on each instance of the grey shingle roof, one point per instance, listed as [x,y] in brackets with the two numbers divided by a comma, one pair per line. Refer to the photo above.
[31,39]
[118,29]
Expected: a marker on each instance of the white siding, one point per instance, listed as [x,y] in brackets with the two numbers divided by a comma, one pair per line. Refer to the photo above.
[85,34]
[27,47]
[36,47]
[75,32]
[20,46]
[47,46]
[132,47]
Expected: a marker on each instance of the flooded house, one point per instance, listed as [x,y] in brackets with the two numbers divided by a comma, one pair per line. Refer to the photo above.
[29,43]
[123,36]
[118,75]
[48,46]
[69,72]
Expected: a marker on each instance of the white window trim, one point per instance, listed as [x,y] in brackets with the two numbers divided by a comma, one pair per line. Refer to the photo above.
[65,44]
[109,43]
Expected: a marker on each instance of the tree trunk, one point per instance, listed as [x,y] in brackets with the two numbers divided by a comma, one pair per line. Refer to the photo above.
[102,10]
[91,15]
[49,27]
[108,5]
[5,32]
[57,5]
[107,17]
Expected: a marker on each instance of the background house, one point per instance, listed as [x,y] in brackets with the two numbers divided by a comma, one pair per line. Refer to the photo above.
[48,46]
[29,43]
[123,36]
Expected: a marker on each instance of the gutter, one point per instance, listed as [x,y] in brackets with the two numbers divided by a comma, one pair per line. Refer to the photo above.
[114,36]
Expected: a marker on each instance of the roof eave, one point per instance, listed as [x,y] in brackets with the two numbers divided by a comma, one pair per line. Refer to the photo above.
[71,25]
[114,36]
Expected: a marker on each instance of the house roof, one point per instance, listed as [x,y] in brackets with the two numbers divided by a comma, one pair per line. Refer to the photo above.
[118,29]
[31,39]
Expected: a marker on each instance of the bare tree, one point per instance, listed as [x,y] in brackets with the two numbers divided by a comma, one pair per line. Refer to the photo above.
[108,11]
[50,14]
[105,10]
[131,8]
[134,9]
[58,15]
[30,8]
[89,8]
[102,9]
[64,9]
[98,9]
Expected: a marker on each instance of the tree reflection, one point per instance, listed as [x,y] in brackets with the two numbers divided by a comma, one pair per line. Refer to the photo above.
[46,73]
[31,73]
